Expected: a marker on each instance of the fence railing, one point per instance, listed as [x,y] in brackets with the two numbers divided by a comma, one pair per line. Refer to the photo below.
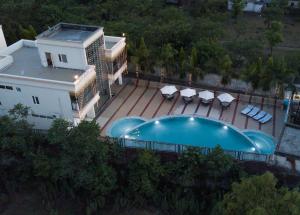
[178,148]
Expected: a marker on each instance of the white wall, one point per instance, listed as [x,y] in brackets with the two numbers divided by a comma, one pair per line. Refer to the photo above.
[75,56]
[51,102]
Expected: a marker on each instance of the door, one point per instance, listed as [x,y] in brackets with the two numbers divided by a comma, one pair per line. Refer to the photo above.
[49,59]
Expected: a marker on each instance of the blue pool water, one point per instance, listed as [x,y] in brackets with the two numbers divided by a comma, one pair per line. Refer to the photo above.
[122,126]
[263,142]
[192,131]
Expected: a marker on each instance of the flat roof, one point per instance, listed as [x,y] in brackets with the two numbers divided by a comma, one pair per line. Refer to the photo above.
[69,32]
[110,44]
[27,64]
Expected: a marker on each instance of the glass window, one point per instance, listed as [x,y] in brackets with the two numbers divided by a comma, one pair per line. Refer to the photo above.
[64,58]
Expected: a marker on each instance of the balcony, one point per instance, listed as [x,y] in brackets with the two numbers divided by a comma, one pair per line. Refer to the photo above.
[81,113]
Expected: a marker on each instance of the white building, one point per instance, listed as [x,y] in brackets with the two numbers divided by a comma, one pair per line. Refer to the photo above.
[67,72]
[256,6]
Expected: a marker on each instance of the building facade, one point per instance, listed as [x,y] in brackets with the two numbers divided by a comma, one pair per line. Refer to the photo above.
[67,72]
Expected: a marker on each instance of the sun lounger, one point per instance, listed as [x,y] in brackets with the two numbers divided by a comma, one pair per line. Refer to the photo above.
[260,115]
[253,112]
[247,109]
[265,118]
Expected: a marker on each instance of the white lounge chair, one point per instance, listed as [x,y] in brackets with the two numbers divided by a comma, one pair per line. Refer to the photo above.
[265,119]
[247,109]
[260,115]
[253,112]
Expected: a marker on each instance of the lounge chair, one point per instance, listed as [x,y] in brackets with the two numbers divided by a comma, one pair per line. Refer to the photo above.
[260,115]
[253,112]
[265,118]
[247,109]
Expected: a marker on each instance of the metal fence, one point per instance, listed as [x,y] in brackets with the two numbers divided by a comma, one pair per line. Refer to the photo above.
[177,148]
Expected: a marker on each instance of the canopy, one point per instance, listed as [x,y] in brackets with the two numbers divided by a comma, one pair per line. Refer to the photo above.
[207,95]
[188,92]
[168,90]
[226,98]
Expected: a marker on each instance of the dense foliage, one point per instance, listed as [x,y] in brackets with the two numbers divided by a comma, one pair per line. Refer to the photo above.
[71,164]
[180,42]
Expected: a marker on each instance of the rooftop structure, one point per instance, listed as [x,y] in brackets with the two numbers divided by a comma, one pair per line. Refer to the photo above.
[26,63]
[69,32]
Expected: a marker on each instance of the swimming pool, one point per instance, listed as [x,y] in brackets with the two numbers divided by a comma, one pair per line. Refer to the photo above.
[192,131]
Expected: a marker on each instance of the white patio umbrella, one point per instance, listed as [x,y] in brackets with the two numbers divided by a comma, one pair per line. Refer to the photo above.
[188,92]
[225,98]
[168,90]
[206,95]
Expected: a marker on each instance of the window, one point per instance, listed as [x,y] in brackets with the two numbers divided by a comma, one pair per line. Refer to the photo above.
[18,89]
[9,87]
[63,58]
[35,100]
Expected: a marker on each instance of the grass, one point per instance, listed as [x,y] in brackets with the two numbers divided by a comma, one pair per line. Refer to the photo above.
[252,26]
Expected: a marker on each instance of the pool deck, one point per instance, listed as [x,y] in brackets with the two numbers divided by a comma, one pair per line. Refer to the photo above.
[143,99]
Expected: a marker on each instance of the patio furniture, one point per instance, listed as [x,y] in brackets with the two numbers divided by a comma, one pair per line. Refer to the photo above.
[225,104]
[188,92]
[260,115]
[266,118]
[253,112]
[225,99]
[247,109]
[168,90]
[206,96]
[187,99]
[169,96]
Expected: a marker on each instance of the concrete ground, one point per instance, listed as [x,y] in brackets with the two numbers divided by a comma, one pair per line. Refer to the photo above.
[144,100]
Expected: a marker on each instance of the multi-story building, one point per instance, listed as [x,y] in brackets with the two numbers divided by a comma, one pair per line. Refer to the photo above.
[67,72]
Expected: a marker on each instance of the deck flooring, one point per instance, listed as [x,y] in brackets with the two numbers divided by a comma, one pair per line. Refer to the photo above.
[144,100]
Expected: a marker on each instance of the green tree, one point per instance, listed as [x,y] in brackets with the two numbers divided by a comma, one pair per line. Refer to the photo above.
[181,61]
[274,35]
[76,160]
[266,77]
[225,68]
[143,54]
[253,73]
[195,71]
[260,195]
[168,57]
[274,11]
[144,176]
[28,33]
[237,8]
[19,112]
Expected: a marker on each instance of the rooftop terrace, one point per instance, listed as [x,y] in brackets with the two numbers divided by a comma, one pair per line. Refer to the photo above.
[69,32]
[26,63]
